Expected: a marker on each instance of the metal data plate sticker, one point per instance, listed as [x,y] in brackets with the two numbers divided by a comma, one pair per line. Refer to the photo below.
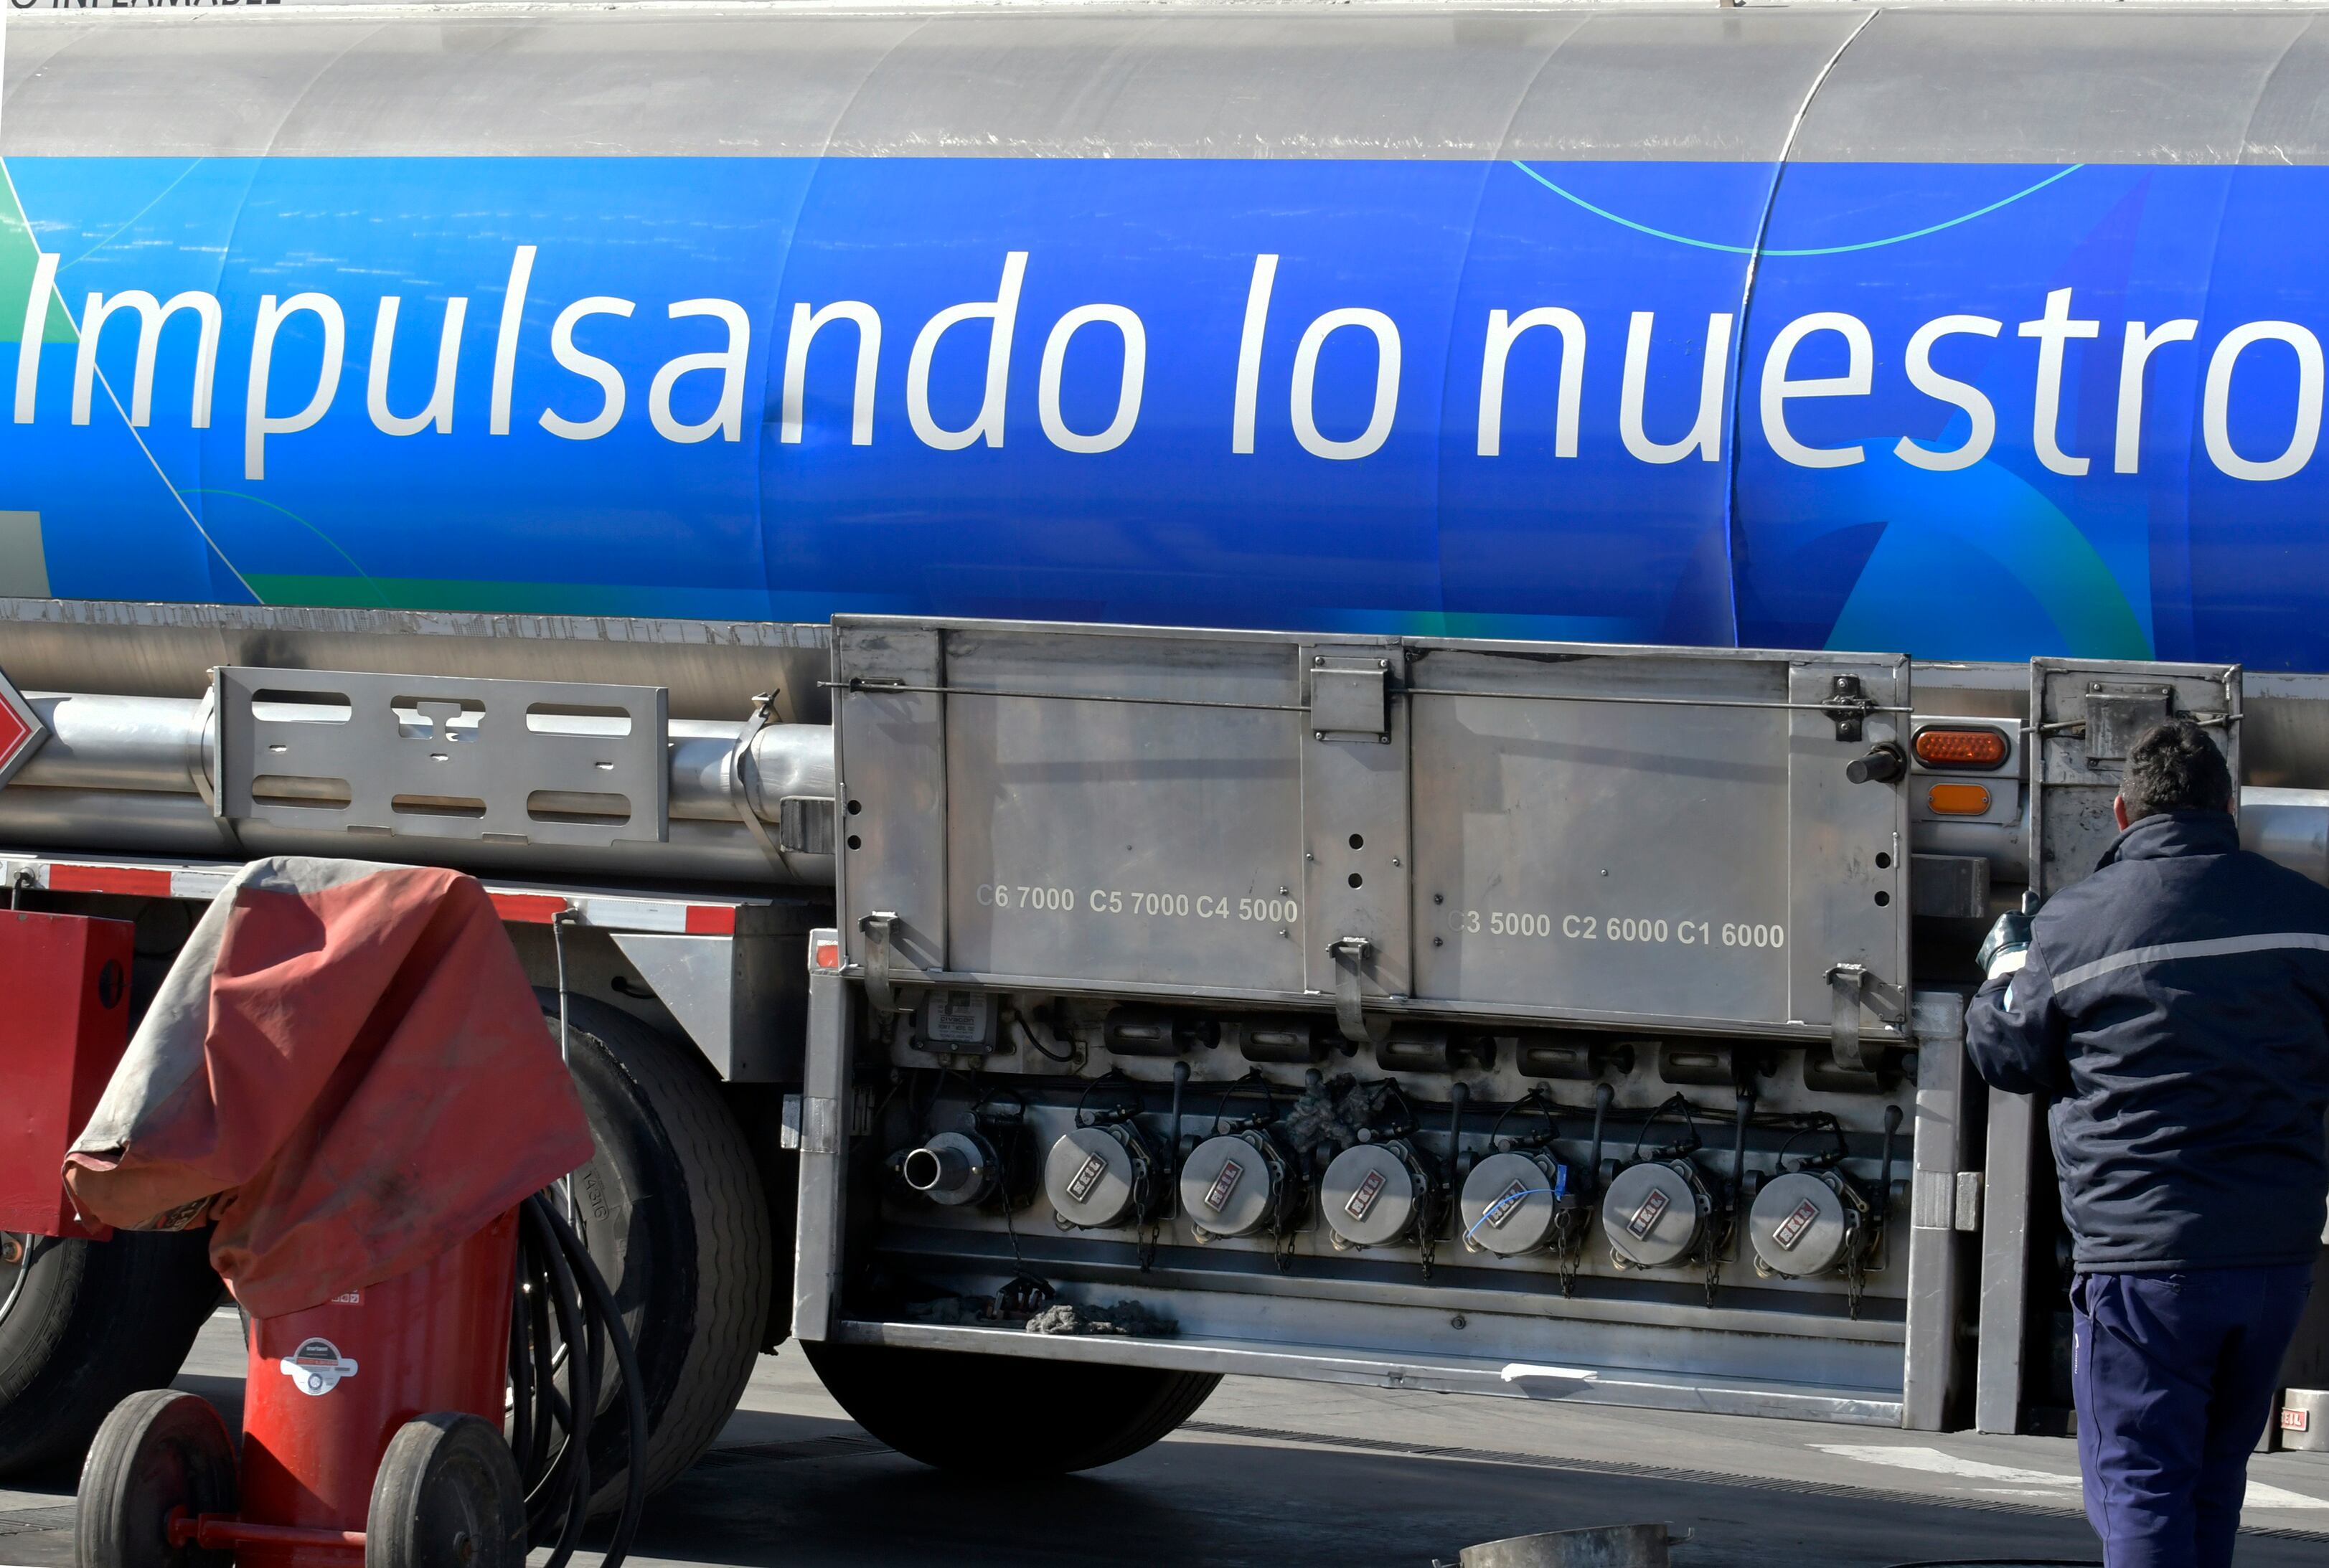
[316,1367]
[956,1017]
[1226,1187]
[1791,1229]
[1217,1195]
[1646,1218]
[1080,1187]
[1508,1204]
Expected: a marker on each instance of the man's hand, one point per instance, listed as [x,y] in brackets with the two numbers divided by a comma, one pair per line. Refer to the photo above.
[2004,950]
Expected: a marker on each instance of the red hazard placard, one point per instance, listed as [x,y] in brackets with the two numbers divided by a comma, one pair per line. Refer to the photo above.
[20,730]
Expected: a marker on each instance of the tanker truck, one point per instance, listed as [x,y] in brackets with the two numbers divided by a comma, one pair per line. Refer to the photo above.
[1324,693]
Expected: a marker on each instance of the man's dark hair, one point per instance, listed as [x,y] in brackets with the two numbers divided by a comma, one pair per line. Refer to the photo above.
[2175,767]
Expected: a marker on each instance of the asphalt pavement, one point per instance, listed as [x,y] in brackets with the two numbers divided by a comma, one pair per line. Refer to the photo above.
[1287,1475]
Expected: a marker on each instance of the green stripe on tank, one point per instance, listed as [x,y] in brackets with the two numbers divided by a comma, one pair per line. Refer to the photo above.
[350,593]
[19,255]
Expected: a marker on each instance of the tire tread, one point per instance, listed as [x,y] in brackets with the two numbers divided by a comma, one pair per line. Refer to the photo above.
[735,1255]
[70,1352]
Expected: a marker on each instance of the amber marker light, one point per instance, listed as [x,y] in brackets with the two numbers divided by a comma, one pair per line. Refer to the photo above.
[1967,748]
[1958,799]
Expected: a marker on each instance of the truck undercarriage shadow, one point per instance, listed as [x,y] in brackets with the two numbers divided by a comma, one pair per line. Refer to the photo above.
[798,1491]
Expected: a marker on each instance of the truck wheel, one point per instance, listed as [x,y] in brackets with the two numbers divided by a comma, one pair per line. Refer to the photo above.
[1001,1416]
[89,1324]
[672,1210]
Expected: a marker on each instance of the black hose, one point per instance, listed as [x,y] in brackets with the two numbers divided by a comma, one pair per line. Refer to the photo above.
[1884,1189]
[1884,1183]
[1602,1096]
[1690,1143]
[1172,1148]
[1746,1112]
[563,1328]
[1536,1099]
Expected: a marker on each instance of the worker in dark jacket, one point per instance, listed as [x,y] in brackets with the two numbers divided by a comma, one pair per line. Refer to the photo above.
[2175,1007]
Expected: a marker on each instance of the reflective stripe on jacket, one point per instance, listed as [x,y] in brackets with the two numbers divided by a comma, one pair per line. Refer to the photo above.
[2175,1006]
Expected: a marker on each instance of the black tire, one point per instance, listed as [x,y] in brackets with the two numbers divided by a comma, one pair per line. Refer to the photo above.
[158,1451]
[448,1495]
[94,1323]
[672,1212]
[995,1416]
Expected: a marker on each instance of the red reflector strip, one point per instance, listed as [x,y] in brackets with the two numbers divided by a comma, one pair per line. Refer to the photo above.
[528,908]
[827,955]
[109,879]
[206,882]
[1962,748]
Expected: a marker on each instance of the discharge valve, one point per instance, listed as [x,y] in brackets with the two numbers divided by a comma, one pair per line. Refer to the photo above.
[1518,1202]
[1240,1183]
[1104,1173]
[1374,1193]
[1655,1212]
[954,1169]
[1814,1219]
[1524,1198]
[1805,1223]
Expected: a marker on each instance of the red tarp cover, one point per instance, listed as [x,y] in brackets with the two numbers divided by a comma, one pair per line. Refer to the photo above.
[346,1070]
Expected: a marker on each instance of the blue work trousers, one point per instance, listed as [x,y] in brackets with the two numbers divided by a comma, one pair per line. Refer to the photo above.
[2176,1376]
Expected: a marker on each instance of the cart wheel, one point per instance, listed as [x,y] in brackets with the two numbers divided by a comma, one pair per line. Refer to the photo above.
[158,1453]
[448,1496]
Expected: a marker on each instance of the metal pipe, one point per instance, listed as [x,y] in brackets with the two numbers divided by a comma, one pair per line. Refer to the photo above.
[937,1169]
[953,1168]
[164,744]
[223,1533]
[135,775]
[788,760]
[159,744]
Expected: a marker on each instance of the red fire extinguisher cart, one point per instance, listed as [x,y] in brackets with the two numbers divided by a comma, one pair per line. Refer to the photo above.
[346,1073]
[372,1432]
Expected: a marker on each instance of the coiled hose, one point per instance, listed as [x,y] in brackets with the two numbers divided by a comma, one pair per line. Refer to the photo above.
[563,1329]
